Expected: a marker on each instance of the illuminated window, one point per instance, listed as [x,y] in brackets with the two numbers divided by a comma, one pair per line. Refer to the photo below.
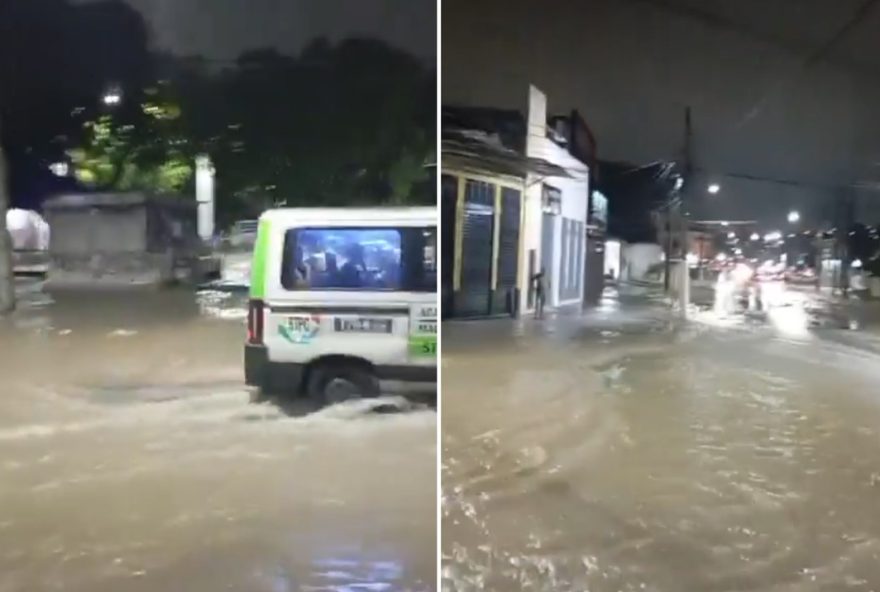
[365,259]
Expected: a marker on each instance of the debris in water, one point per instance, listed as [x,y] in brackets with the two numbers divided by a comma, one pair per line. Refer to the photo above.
[123,333]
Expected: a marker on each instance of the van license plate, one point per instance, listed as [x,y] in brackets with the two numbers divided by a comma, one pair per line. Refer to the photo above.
[362,325]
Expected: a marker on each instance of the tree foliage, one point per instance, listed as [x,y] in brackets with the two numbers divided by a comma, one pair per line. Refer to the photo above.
[341,123]
[56,60]
[352,123]
[150,153]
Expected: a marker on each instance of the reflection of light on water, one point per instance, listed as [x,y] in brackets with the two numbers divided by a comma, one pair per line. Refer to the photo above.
[608,305]
[223,304]
[791,321]
[773,294]
[609,302]
[348,575]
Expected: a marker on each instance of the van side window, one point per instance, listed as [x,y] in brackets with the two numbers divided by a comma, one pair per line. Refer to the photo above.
[367,259]
[420,259]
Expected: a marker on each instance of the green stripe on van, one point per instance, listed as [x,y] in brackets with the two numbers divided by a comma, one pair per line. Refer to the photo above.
[258,264]
[421,346]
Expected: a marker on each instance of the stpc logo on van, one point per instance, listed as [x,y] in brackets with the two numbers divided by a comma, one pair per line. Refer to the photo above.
[300,329]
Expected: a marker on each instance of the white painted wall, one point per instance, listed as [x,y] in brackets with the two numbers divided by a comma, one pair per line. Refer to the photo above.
[638,259]
[28,230]
[536,124]
[613,258]
[574,198]
[531,231]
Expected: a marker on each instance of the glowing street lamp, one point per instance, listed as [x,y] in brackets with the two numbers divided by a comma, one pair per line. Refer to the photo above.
[794,217]
[714,188]
[112,98]
[60,168]
[755,236]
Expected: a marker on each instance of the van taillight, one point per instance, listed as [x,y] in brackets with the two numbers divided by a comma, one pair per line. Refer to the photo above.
[255,322]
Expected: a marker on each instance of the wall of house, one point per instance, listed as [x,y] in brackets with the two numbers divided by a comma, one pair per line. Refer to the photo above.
[530,254]
[574,192]
[613,258]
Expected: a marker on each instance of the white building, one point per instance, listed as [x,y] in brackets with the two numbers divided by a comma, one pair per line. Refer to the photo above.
[555,216]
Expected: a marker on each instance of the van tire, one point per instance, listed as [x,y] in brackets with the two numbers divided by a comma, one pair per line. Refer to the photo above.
[280,382]
[334,383]
[275,386]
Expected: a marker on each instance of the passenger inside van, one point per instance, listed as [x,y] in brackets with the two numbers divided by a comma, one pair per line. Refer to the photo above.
[353,273]
[343,260]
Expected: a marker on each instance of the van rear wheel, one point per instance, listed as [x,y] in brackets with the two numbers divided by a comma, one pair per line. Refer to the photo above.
[333,383]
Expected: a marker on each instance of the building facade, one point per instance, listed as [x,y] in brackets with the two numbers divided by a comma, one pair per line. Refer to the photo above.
[513,204]
[481,248]
[555,220]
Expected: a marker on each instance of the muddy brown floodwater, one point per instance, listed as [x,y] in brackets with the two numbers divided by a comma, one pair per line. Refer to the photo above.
[581,456]
[132,458]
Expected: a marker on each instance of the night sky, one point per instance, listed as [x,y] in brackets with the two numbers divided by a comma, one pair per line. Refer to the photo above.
[222,29]
[631,66]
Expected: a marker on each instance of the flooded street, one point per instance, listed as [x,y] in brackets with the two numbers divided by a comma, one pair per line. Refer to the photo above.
[132,458]
[624,452]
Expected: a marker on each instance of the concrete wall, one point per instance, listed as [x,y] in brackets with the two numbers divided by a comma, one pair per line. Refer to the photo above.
[104,246]
[83,231]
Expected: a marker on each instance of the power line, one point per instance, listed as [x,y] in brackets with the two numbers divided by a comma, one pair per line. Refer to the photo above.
[716,21]
[790,182]
[814,57]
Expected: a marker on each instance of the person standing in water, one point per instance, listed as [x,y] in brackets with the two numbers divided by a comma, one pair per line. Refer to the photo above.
[540,293]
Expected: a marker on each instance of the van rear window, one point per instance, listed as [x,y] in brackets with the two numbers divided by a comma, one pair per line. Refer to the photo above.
[365,259]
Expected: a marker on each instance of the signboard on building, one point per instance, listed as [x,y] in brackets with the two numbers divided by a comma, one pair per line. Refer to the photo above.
[598,210]
[551,200]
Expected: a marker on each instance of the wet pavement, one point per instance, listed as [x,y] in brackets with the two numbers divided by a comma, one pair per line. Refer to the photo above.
[133,458]
[623,450]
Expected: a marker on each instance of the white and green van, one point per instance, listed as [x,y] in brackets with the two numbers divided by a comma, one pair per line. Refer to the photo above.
[341,299]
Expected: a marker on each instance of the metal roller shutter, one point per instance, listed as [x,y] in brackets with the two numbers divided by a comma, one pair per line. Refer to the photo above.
[476,263]
[508,251]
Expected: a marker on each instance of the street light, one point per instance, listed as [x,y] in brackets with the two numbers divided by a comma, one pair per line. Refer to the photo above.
[755,236]
[714,188]
[112,97]
[794,217]
[60,168]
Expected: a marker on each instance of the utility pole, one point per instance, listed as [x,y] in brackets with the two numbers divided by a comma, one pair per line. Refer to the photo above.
[667,246]
[842,239]
[685,287]
[7,276]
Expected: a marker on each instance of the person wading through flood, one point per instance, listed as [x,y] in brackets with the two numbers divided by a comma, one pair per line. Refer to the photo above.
[538,284]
